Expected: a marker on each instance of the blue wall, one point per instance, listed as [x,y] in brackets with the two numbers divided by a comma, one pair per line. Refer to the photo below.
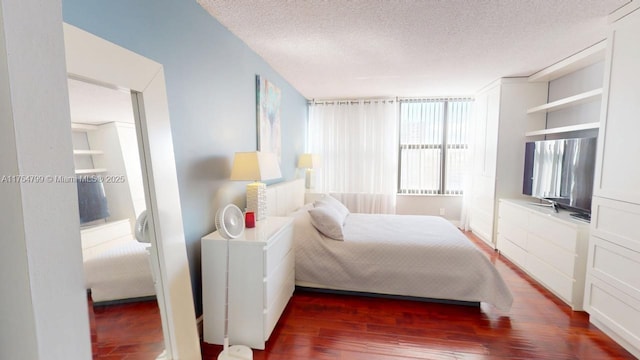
[210,78]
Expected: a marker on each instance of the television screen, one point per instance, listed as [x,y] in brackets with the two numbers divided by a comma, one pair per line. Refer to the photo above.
[92,200]
[561,171]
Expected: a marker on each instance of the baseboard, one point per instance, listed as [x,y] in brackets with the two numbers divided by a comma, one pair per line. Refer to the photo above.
[612,334]
[124,301]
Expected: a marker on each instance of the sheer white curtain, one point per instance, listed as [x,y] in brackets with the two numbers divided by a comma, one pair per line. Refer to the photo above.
[358,145]
[467,189]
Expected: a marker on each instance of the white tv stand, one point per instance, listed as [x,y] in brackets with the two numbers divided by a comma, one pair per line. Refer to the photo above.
[549,246]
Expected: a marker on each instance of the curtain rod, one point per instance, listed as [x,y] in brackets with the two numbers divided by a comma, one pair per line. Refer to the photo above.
[349,101]
[390,100]
[441,98]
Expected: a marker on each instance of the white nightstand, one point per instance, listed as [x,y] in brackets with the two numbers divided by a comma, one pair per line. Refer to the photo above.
[261,282]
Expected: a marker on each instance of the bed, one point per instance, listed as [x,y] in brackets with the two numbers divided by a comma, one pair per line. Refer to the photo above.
[417,256]
[116,265]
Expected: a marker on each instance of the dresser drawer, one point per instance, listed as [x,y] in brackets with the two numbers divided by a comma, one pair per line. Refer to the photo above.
[558,258]
[513,214]
[278,281]
[615,309]
[273,312]
[277,249]
[513,252]
[551,278]
[511,231]
[616,265]
[562,235]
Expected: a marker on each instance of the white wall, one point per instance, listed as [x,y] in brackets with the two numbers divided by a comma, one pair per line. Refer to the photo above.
[43,307]
[210,76]
[430,205]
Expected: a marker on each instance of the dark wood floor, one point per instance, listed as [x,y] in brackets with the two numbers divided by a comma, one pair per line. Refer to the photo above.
[131,331]
[329,326]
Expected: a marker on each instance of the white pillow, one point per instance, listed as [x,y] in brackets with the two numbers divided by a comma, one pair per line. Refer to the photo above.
[334,204]
[327,220]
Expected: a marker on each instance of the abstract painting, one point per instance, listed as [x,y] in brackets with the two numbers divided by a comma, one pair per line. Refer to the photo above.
[268,98]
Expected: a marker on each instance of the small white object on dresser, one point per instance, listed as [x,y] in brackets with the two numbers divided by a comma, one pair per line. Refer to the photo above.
[549,246]
[261,282]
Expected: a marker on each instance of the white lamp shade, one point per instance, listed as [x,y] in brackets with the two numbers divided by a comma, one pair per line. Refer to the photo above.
[255,166]
[309,161]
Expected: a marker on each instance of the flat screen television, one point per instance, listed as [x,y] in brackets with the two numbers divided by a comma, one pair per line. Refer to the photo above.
[561,171]
[92,200]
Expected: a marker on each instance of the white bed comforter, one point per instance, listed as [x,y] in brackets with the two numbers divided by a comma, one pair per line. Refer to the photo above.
[122,272]
[420,256]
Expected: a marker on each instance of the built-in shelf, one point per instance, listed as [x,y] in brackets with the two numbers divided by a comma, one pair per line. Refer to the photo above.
[88,152]
[90,171]
[582,98]
[564,129]
[79,127]
[83,127]
[573,63]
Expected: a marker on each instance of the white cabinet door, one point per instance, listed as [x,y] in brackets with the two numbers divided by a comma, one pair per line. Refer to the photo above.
[618,169]
[612,293]
[485,150]
[491,139]
[479,133]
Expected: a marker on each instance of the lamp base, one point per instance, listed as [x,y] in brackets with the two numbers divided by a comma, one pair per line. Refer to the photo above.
[309,181]
[257,199]
[236,352]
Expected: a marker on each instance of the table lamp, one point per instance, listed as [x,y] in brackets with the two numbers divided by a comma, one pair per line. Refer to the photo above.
[309,162]
[256,166]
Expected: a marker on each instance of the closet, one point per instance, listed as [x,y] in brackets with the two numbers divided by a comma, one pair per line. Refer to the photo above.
[501,121]
[612,293]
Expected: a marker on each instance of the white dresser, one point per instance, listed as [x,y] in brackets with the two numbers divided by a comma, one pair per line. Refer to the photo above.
[261,282]
[550,247]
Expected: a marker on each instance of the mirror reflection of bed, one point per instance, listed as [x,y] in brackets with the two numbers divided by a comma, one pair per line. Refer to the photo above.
[111,200]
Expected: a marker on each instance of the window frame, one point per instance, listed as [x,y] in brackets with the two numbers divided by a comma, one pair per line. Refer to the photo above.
[445,146]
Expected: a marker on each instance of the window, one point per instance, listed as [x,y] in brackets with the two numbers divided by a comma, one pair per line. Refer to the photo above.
[433,145]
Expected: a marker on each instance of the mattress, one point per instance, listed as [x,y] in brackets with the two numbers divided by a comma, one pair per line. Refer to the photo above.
[420,256]
[121,272]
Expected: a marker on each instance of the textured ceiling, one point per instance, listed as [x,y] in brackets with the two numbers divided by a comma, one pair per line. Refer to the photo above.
[377,48]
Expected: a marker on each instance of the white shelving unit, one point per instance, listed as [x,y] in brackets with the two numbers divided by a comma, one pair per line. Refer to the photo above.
[90,171]
[574,100]
[88,152]
[77,127]
[563,129]
[560,69]
[86,128]
[584,58]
